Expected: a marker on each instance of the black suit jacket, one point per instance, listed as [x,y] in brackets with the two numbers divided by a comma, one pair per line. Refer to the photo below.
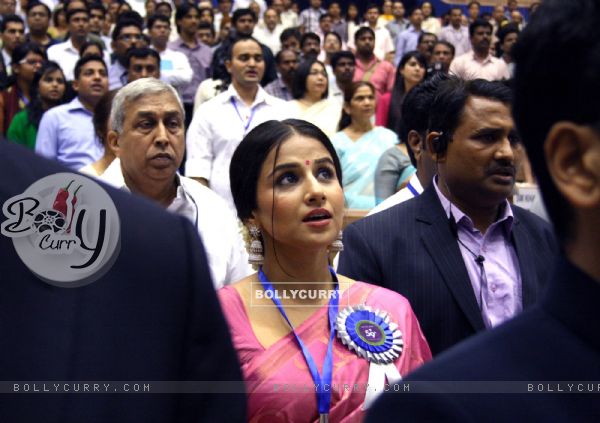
[410,249]
[153,317]
[554,345]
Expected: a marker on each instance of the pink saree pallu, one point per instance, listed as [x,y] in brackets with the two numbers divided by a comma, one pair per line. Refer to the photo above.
[279,384]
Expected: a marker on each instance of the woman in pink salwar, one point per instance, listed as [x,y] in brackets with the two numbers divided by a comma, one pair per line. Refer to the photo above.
[292,323]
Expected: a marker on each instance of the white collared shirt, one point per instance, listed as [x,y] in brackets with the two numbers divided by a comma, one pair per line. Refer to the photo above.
[401,196]
[218,228]
[175,68]
[218,128]
[67,56]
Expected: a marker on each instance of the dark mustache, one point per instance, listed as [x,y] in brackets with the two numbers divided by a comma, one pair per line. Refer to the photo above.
[501,168]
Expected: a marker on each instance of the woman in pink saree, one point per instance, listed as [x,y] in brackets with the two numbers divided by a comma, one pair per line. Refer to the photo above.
[304,355]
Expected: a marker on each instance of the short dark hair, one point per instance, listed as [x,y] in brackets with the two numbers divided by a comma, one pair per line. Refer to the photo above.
[243,12]
[425,34]
[413,10]
[240,38]
[140,53]
[344,54]
[84,60]
[36,3]
[449,103]
[97,6]
[309,36]
[302,72]
[289,33]
[184,9]
[249,157]
[88,43]
[8,19]
[372,6]
[455,8]
[122,24]
[556,80]
[24,49]
[206,25]
[503,32]
[415,109]
[323,16]
[164,3]
[361,31]
[131,15]
[157,18]
[447,44]
[281,52]
[479,23]
[335,34]
[73,12]
[471,3]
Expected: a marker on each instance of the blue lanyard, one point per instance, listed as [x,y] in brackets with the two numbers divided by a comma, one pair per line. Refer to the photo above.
[247,125]
[323,396]
[412,189]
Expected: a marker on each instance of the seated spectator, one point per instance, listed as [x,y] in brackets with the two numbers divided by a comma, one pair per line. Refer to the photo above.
[126,35]
[409,38]
[455,33]
[290,40]
[310,45]
[147,135]
[410,72]
[269,31]
[59,28]
[425,46]
[309,17]
[26,58]
[430,22]
[97,19]
[91,48]
[343,65]
[442,56]
[101,122]
[206,34]
[507,37]
[142,62]
[368,67]
[66,132]
[48,90]
[38,23]
[287,62]
[479,63]
[332,43]
[310,92]
[359,145]
[12,29]
[338,23]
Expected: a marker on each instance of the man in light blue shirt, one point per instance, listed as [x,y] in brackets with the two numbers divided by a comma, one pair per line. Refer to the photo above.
[408,39]
[66,132]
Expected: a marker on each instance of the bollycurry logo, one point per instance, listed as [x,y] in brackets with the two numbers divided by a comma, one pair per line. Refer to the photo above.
[65,228]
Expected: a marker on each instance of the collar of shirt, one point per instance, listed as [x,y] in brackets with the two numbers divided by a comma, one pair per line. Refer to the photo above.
[261,97]
[488,59]
[180,43]
[360,65]
[76,104]
[506,219]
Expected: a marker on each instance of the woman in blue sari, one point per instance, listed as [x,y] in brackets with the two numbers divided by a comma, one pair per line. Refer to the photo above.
[359,145]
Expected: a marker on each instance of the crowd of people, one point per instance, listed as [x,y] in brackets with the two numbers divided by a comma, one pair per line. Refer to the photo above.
[281,120]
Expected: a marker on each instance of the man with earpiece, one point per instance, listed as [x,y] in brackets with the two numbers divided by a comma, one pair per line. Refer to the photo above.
[466,259]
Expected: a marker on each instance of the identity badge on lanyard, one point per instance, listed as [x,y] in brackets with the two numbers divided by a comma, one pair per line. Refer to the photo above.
[247,124]
[323,395]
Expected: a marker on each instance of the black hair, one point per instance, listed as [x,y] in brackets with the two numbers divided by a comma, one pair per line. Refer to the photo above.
[344,54]
[301,75]
[73,12]
[35,109]
[289,33]
[55,15]
[455,8]
[243,12]
[203,9]
[124,23]
[163,3]
[356,20]
[511,28]
[335,34]
[23,50]
[479,23]
[471,3]
[450,100]
[88,43]
[97,6]
[345,118]
[131,15]
[36,3]
[425,34]
[372,6]
[447,44]
[413,10]
[398,93]
[206,25]
[140,53]
[280,54]
[553,52]
[415,110]
[239,38]
[8,19]
[323,16]
[361,31]
[249,157]
[84,60]
[309,36]
[184,9]
[157,18]
[433,14]
[102,115]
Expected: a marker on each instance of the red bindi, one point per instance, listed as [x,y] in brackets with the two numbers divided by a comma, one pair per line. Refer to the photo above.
[307,162]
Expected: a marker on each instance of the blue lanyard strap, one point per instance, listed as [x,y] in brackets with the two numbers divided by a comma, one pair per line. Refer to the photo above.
[247,124]
[412,189]
[323,395]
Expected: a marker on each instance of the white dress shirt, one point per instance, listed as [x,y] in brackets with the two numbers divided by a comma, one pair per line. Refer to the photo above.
[268,38]
[175,68]
[401,196]
[67,56]
[218,228]
[217,129]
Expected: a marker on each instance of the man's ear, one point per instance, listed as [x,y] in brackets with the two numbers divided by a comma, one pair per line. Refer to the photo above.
[432,141]
[228,66]
[415,143]
[112,142]
[573,158]
[75,85]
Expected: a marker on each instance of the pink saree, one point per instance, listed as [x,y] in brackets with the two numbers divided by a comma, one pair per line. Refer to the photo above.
[279,384]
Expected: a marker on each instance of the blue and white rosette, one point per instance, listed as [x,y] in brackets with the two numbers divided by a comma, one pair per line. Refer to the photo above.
[376,338]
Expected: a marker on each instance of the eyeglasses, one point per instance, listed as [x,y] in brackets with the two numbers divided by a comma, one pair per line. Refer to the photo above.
[130,37]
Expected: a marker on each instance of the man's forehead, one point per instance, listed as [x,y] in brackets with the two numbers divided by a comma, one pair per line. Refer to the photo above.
[481,111]
[146,105]
[130,30]
[143,60]
[93,65]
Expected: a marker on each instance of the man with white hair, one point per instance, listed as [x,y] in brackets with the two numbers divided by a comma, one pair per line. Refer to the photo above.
[147,136]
